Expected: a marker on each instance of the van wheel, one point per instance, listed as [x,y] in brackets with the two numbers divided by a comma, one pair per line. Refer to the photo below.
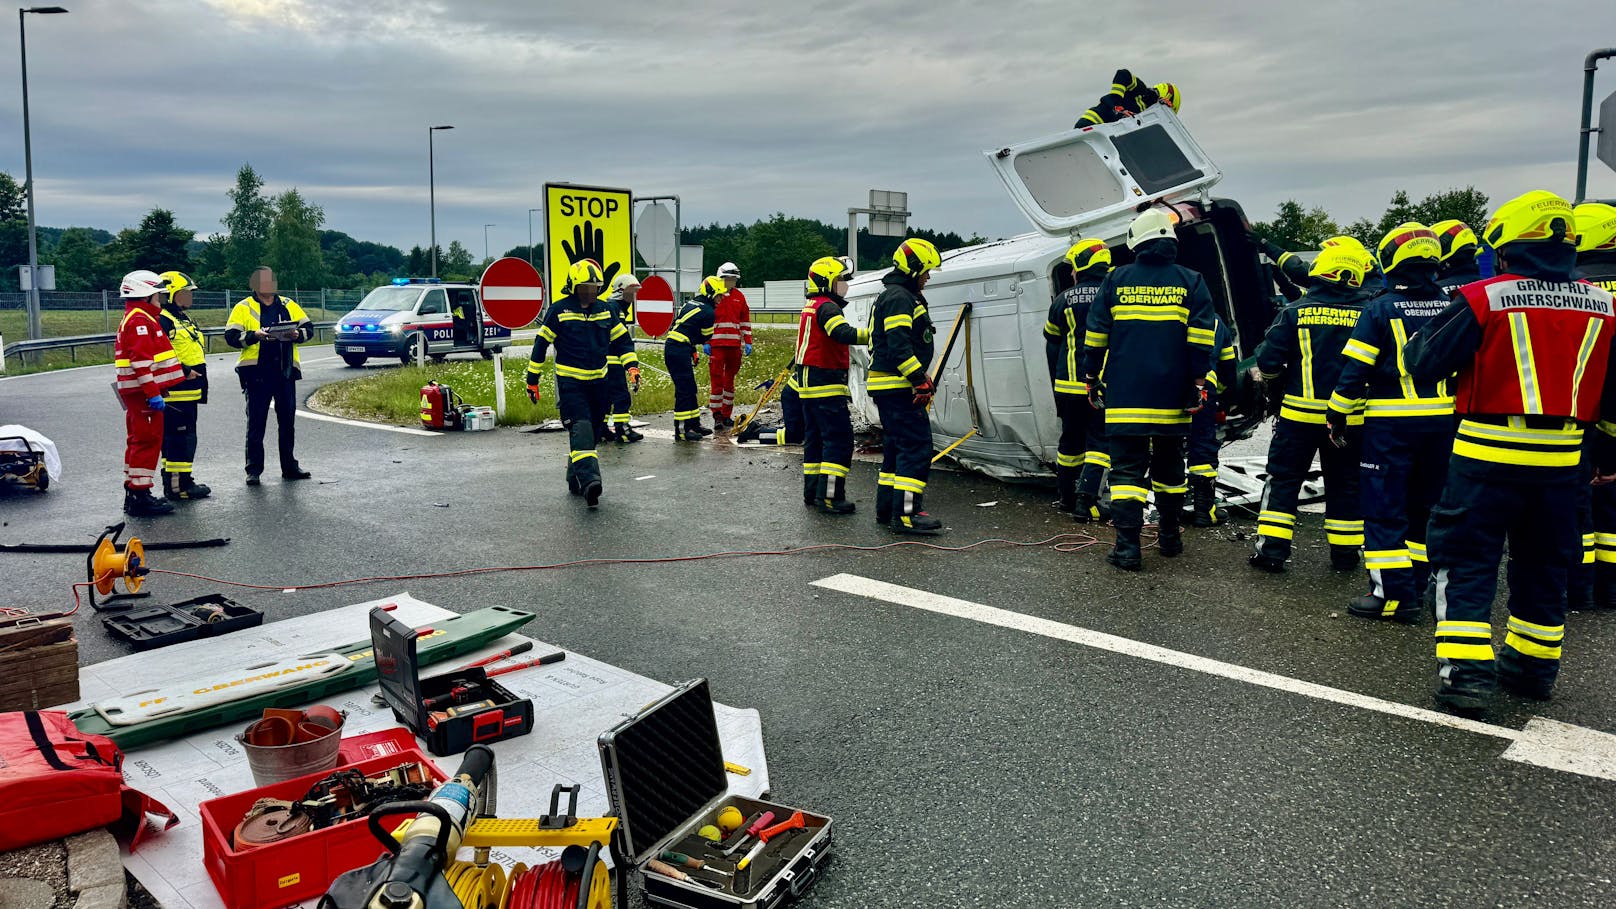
[354,360]
[408,356]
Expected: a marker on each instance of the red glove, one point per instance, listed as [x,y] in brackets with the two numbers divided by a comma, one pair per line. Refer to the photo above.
[634,377]
[1196,400]
[924,392]
[533,390]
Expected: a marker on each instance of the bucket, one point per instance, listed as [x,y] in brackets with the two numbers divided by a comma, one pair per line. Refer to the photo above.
[278,763]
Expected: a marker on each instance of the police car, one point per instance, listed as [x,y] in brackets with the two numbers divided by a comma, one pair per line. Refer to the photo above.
[395,319]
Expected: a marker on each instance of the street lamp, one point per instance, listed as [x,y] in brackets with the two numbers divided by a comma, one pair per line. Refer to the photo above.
[36,328]
[432,194]
[530,234]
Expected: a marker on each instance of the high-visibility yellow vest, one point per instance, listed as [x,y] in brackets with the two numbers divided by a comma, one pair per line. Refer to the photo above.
[245,317]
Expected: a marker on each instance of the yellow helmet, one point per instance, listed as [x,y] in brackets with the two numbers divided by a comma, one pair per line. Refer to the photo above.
[1537,215]
[1087,254]
[585,272]
[915,256]
[1168,93]
[825,272]
[713,287]
[1352,243]
[1408,242]
[174,282]
[1596,226]
[1342,264]
[1455,237]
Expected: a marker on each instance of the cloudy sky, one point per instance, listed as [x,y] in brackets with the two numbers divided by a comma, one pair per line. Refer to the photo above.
[747,108]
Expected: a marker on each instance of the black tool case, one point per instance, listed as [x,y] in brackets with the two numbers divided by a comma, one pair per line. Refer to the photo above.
[398,671]
[665,777]
[153,625]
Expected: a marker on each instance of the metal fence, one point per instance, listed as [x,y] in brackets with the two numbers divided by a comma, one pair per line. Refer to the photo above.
[70,313]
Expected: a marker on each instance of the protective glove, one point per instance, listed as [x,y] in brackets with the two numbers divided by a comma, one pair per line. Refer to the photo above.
[156,402]
[532,387]
[1096,392]
[634,378]
[924,392]
[1195,399]
[746,350]
[707,349]
[695,358]
[1338,427]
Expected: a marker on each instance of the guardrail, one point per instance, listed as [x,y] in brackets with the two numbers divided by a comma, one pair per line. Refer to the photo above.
[21,349]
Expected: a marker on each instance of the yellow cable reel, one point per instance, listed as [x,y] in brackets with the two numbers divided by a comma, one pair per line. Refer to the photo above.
[109,563]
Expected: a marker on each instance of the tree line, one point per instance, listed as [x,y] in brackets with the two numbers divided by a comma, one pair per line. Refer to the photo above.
[1297,228]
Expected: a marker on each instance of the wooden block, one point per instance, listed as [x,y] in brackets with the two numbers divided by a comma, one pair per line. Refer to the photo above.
[39,665]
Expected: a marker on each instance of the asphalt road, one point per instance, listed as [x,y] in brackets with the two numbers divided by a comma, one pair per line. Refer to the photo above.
[965,764]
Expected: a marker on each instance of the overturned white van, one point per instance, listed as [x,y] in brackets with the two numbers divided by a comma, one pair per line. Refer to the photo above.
[1082,183]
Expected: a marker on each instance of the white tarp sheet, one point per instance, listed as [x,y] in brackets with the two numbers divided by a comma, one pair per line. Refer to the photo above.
[53,460]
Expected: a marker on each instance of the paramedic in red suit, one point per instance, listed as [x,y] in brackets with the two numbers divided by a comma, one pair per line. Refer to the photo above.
[146,366]
[732,336]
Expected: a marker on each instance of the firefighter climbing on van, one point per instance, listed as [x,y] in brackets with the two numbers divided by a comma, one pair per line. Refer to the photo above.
[823,338]
[1129,96]
[1302,355]
[1532,348]
[585,334]
[146,367]
[1295,277]
[732,337]
[901,349]
[1407,426]
[691,328]
[1459,250]
[1593,586]
[625,287]
[1082,458]
[1148,348]
[1201,448]
[182,401]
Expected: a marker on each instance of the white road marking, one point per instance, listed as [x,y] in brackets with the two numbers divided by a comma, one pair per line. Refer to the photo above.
[649,476]
[311,415]
[1543,743]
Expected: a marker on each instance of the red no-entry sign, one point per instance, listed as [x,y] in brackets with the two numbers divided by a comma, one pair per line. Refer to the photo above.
[513,292]
[653,308]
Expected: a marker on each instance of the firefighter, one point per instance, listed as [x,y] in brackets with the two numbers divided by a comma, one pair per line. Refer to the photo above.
[1081,460]
[1201,449]
[1303,350]
[1459,249]
[823,338]
[146,367]
[620,390]
[585,334]
[1532,348]
[267,328]
[1596,262]
[180,403]
[1407,426]
[901,347]
[1128,97]
[691,327]
[1150,336]
[732,337]
[1294,275]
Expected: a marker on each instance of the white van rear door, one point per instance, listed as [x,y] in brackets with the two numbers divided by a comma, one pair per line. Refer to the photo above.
[1069,181]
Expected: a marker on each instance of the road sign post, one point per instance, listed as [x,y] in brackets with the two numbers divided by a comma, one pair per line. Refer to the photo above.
[889,217]
[513,296]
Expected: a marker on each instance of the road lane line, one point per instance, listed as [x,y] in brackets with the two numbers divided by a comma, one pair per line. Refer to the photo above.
[1544,743]
[311,415]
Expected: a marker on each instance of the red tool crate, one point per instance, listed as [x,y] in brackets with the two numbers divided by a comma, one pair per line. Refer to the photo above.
[299,868]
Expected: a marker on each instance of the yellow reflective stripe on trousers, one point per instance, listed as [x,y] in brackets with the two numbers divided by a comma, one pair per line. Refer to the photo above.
[1527,647]
[1541,632]
[582,456]
[1387,558]
[1590,338]
[573,372]
[1520,336]
[1128,493]
[1145,415]
[180,397]
[908,484]
[886,381]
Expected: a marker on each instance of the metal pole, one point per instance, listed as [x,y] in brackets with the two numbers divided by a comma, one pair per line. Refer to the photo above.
[1589,64]
[530,234]
[106,311]
[678,253]
[485,240]
[432,200]
[852,236]
[35,323]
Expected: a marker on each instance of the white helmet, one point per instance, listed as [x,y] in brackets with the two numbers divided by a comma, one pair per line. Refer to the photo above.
[1151,225]
[138,285]
[729,270]
[624,280]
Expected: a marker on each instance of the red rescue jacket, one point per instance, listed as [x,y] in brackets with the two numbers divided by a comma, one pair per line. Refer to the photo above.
[143,355]
[732,320]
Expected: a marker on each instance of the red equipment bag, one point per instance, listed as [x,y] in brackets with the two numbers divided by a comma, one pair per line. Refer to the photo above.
[56,781]
[440,407]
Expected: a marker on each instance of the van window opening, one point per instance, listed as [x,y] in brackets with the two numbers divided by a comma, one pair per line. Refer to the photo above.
[1154,159]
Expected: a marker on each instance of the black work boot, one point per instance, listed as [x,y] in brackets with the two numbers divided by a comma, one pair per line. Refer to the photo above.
[1204,502]
[1467,690]
[1604,587]
[188,488]
[1125,554]
[909,516]
[810,489]
[1066,488]
[1169,539]
[629,435]
[1088,510]
[1264,562]
[694,426]
[883,504]
[592,491]
[833,496]
[1526,676]
[140,503]
[692,432]
[1370,606]
[1343,558]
